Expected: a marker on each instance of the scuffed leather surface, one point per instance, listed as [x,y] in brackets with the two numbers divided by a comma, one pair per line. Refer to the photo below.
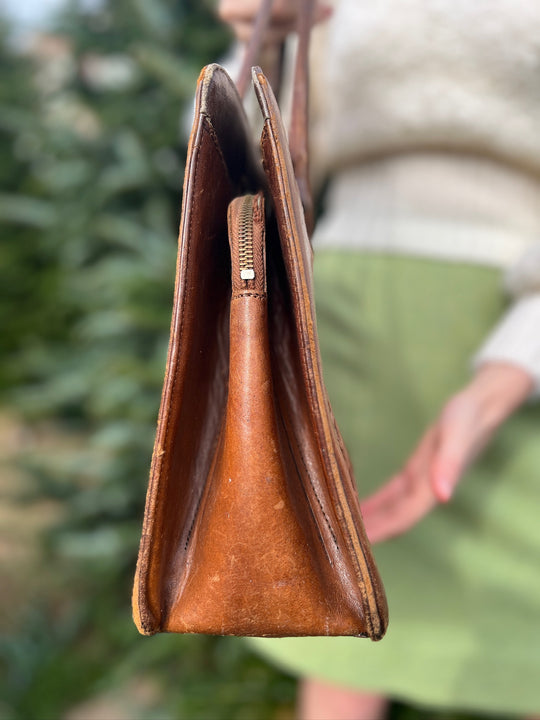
[252,524]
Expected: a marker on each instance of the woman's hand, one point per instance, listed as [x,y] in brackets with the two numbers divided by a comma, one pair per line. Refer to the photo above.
[241,14]
[431,474]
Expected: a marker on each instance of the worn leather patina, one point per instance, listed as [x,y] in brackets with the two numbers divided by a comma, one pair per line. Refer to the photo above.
[252,523]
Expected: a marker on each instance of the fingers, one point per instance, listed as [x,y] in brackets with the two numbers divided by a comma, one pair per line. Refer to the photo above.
[234,11]
[405,498]
[432,473]
[401,506]
[241,14]
[463,433]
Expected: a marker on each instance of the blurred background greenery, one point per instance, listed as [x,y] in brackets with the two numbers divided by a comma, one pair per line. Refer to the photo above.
[91,160]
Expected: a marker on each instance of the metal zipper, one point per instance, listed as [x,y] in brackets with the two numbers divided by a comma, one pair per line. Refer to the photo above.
[245,221]
[245,245]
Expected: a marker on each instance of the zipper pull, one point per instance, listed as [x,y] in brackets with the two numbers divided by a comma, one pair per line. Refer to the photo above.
[246,240]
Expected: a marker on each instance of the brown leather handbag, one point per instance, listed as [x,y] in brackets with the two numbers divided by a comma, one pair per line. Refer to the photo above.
[252,523]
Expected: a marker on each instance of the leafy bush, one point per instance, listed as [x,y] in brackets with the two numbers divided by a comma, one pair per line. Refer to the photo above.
[92,164]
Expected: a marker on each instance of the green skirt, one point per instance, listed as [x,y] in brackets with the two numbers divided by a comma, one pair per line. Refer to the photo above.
[397,335]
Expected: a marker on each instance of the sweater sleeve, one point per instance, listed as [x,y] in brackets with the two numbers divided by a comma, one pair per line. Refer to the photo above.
[516,338]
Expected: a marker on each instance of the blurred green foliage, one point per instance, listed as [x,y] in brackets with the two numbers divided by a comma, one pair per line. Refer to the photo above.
[91,162]
[92,150]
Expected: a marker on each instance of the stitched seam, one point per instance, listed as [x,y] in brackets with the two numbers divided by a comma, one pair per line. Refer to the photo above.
[325,516]
[188,536]
[259,296]
[306,495]
[322,509]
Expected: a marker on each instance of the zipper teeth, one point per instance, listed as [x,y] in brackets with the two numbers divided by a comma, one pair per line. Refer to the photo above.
[245,250]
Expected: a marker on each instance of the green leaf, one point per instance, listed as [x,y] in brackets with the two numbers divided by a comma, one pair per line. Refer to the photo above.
[27,210]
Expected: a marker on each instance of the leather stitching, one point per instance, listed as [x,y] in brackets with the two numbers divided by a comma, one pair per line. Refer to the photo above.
[259,296]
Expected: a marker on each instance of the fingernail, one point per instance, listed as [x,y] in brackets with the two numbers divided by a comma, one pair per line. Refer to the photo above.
[444,489]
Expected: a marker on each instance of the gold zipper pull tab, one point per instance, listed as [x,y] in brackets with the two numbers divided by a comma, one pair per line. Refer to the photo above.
[246,239]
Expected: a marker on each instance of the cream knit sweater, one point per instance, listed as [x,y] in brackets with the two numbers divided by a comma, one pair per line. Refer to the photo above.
[427,117]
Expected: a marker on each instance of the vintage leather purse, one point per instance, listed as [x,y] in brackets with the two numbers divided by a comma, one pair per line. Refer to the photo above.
[252,523]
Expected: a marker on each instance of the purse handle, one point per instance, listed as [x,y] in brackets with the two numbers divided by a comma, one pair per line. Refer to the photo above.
[298,130]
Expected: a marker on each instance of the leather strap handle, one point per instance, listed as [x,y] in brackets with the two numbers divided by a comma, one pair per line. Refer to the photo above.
[298,131]
[254,46]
